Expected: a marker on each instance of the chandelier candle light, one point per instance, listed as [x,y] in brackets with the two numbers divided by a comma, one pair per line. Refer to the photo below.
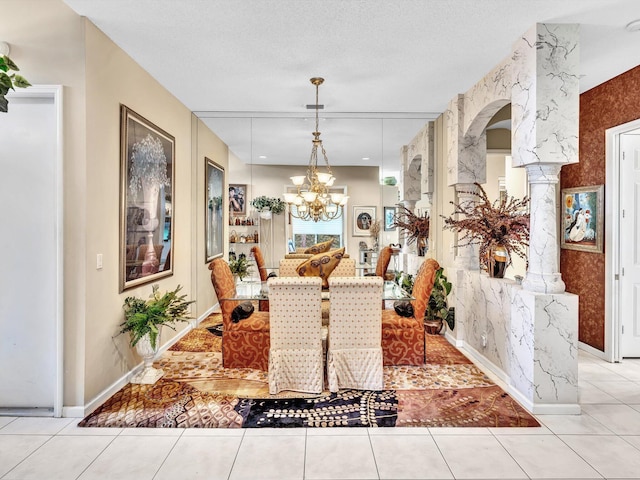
[313,201]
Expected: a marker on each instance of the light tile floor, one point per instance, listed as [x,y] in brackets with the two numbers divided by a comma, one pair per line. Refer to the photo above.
[603,442]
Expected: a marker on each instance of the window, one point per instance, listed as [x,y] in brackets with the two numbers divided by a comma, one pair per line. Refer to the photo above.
[307,233]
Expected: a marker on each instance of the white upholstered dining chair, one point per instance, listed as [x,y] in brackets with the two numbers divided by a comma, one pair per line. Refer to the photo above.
[295,354]
[354,357]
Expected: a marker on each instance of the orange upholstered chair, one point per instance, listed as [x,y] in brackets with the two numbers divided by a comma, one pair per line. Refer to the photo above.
[244,344]
[403,337]
[383,262]
[263,305]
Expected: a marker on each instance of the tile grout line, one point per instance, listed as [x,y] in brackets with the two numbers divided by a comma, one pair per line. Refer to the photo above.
[168,453]
[233,464]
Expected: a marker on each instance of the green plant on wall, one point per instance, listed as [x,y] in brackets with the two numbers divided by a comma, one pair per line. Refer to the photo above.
[437,307]
[9,80]
[263,203]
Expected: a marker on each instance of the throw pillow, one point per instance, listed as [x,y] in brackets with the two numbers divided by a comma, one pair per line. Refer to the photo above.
[321,265]
[403,308]
[319,247]
[242,311]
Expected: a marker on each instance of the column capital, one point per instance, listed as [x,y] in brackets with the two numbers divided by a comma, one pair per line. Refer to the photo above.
[543,172]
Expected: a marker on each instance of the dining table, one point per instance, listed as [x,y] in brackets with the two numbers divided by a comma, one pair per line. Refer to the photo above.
[256,290]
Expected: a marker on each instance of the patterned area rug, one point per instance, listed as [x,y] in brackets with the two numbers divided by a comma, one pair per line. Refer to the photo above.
[196,391]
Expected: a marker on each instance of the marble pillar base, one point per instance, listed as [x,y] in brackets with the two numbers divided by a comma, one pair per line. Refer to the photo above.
[528,340]
[544,351]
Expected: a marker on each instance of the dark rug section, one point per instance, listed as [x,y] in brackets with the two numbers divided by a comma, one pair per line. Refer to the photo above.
[347,408]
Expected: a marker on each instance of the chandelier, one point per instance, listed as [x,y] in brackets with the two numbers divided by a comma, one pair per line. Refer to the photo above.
[313,201]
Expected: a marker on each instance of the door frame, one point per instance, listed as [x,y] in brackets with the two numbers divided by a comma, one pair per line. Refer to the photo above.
[613,324]
[55,92]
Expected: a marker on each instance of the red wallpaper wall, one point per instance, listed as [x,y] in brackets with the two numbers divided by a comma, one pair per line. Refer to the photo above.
[610,104]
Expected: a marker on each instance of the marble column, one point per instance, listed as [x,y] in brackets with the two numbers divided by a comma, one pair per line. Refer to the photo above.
[543,274]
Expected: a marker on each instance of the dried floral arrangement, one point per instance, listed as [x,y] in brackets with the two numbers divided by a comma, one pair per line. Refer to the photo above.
[489,224]
[374,229]
[414,226]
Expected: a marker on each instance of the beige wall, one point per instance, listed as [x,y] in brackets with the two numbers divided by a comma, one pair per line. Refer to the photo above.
[113,78]
[211,147]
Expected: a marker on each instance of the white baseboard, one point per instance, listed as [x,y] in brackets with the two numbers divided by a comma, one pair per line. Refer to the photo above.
[81,412]
[504,381]
[593,351]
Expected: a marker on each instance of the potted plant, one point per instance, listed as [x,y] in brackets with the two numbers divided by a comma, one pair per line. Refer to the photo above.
[267,206]
[500,228]
[404,281]
[438,313]
[240,266]
[143,319]
[8,80]
[415,227]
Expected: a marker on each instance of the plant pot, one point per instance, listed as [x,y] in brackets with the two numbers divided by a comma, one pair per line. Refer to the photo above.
[265,214]
[433,326]
[149,375]
[497,261]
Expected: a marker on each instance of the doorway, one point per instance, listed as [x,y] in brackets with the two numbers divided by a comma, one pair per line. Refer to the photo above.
[31,284]
[622,194]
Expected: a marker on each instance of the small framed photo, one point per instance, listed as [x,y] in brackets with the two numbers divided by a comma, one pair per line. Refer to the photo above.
[237,199]
[583,218]
[389,212]
[363,217]
[214,209]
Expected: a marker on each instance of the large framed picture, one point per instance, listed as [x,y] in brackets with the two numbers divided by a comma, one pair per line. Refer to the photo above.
[237,199]
[214,221]
[146,200]
[389,212]
[363,217]
[583,218]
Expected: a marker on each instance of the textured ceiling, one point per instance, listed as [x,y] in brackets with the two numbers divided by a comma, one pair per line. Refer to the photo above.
[389,65]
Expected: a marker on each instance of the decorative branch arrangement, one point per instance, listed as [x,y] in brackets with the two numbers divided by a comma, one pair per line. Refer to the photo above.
[414,226]
[504,222]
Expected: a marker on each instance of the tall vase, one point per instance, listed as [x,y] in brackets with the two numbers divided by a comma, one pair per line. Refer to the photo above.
[497,261]
[149,375]
[151,262]
[422,244]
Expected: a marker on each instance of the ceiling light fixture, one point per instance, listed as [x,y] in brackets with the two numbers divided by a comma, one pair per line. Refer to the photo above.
[633,26]
[313,201]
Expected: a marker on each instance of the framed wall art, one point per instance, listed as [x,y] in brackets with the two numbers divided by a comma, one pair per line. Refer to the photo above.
[214,210]
[363,217]
[146,200]
[582,218]
[389,212]
[237,199]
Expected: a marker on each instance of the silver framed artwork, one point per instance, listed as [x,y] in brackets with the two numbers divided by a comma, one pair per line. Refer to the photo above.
[214,210]
[146,200]
[363,217]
